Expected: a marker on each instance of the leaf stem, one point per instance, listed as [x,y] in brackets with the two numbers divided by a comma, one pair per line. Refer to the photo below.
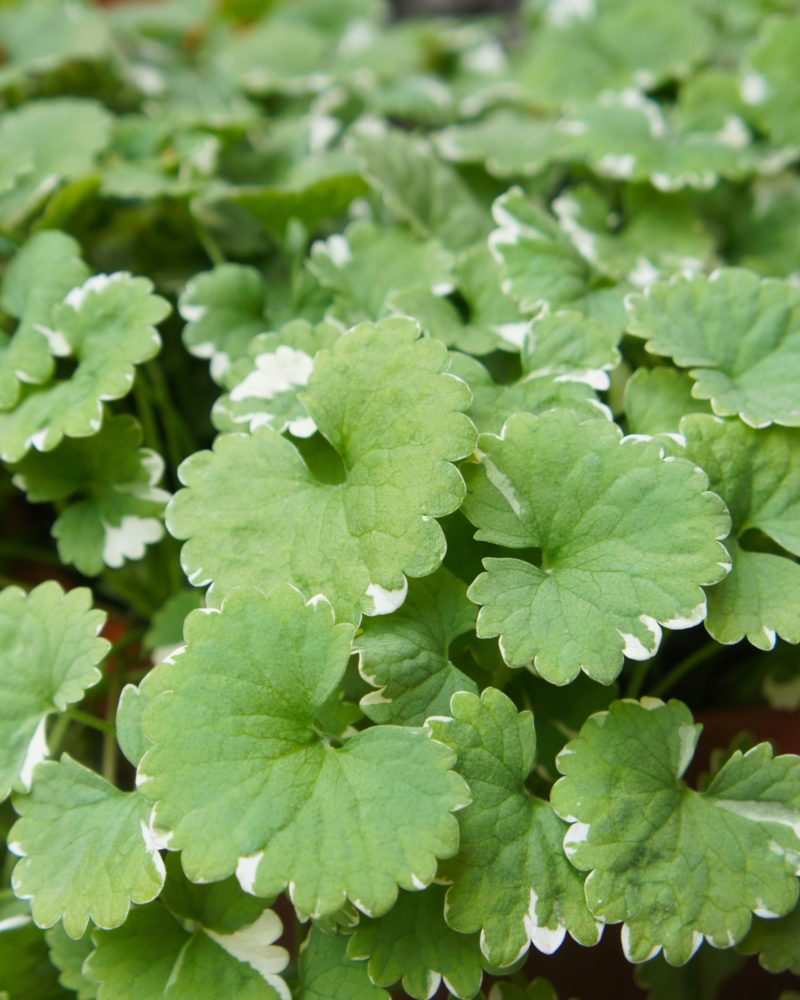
[110,731]
[685,666]
[209,244]
[78,715]
[57,734]
[144,408]
[637,677]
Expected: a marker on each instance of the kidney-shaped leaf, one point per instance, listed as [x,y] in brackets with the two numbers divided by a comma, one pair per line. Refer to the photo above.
[246,780]
[382,397]
[627,541]
[676,865]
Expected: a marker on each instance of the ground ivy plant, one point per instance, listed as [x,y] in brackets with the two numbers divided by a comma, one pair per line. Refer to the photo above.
[400,449]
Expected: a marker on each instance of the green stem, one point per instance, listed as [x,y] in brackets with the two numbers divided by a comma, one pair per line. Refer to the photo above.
[173,429]
[127,596]
[56,738]
[637,677]
[680,670]
[209,244]
[144,408]
[78,715]
[110,733]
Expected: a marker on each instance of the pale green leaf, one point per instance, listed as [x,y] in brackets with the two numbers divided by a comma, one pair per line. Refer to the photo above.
[770,84]
[224,309]
[107,325]
[493,403]
[35,160]
[420,188]
[117,505]
[38,277]
[86,849]
[677,866]
[382,398]
[739,336]
[235,733]
[757,474]
[627,540]
[50,651]
[510,879]
[366,264]
[265,386]
[413,943]
[656,399]
[406,654]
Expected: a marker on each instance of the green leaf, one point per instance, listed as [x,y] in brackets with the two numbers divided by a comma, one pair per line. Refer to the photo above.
[583,50]
[45,33]
[366,264]
[412,942]
[770,86]
[68,956]
[420,188]
[542,266]
[128,721]
[234,733]
[224,309]
[50,656]
[25,971]
[568,347]
[86,850]
[35,160]
[628,137]
[493,320]
[158,954]
[117,509]
[406,654]
[656,399]
[107,326]
[776,942]
[38,277]
[677,866]
[507,143]
[757,474]
[510,879]
[166,625]
[627,540]
[326,973]
[265,386]
[493,403]
[382,398]
[738,334]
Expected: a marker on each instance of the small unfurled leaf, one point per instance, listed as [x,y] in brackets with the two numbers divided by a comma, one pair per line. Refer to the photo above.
[383,399]
[627,541]
[510,879]
[235,732]
[677,866]
[757,474]
[86,849]
[50,654]
[413,943]
[739,336]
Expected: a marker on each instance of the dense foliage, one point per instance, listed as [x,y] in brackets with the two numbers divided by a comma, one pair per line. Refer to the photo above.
[392,414]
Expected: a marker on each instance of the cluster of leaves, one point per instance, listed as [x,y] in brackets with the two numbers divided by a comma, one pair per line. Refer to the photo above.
[463,359]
